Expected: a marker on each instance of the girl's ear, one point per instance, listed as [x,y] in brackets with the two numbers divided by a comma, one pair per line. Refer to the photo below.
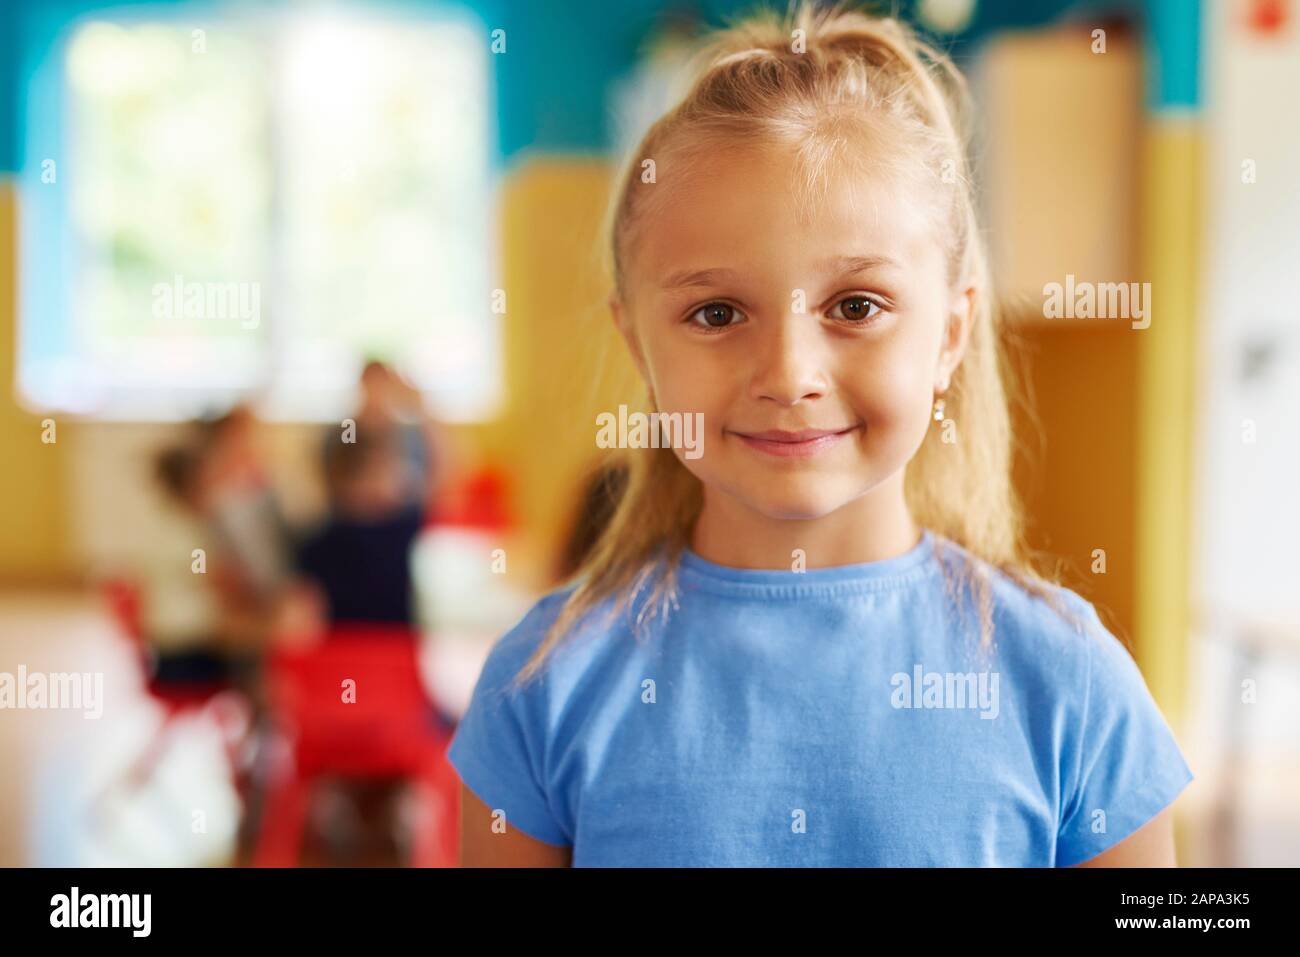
[961,318]
[624,323]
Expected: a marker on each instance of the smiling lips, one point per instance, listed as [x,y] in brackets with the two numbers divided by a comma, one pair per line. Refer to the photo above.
[802,444]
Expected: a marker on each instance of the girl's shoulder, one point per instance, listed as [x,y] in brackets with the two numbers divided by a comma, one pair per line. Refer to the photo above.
[536,621]
[1058,642]
[1031,600]
[566,654]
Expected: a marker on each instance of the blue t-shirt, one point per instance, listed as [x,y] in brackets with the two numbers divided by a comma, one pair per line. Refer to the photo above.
[840,716]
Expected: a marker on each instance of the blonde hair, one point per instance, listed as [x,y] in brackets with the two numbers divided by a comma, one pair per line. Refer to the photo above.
[753,84]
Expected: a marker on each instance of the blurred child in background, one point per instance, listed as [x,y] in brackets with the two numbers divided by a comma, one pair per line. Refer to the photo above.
[243,510]
[360,556]
[360,561]
[181,613]
[211,613]
[389,402]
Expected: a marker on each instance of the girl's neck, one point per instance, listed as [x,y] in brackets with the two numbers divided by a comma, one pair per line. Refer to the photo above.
[874,527]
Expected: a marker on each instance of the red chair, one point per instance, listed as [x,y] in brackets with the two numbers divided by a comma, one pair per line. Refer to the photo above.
[354,706]
[216,700]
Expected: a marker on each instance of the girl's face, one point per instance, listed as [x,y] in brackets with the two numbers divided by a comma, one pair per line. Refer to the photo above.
[813,349]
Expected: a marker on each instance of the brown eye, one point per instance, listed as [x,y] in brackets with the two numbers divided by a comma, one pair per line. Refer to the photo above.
[716,315]
[856,308]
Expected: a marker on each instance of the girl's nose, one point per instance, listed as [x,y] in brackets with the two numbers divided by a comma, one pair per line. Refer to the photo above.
[789,365]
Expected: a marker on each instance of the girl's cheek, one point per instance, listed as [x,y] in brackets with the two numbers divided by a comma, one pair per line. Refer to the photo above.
[690,378]
[876,375]
[891,397]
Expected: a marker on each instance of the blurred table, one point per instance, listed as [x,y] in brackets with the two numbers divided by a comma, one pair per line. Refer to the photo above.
[465,603]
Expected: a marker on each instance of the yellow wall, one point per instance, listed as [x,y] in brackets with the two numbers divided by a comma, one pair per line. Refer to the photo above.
[33,517]
[1076,463]
[1171,164]
[565,361]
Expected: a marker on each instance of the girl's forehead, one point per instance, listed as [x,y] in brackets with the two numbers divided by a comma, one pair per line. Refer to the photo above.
[742,207]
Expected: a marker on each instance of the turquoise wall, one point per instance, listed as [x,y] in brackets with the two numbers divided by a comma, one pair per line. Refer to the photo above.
[552,81]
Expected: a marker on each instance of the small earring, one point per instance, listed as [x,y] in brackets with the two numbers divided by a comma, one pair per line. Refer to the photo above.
[938,410]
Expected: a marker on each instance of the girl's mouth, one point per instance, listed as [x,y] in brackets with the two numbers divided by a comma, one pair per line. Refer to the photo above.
[802,444]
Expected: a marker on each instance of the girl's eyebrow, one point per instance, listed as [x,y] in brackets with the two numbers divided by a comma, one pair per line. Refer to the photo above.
[847,265]
[696,277]
[842,265]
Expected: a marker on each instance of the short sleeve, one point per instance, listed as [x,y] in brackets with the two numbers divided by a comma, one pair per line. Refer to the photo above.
[1126,767]
[499,743]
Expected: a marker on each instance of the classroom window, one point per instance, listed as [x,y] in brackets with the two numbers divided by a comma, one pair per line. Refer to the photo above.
[250,208]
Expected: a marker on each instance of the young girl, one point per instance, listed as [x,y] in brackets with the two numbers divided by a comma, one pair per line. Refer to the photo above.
[820,642]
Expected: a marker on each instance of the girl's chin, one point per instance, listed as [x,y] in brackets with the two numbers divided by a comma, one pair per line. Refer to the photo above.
[787,497]
[798,508]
